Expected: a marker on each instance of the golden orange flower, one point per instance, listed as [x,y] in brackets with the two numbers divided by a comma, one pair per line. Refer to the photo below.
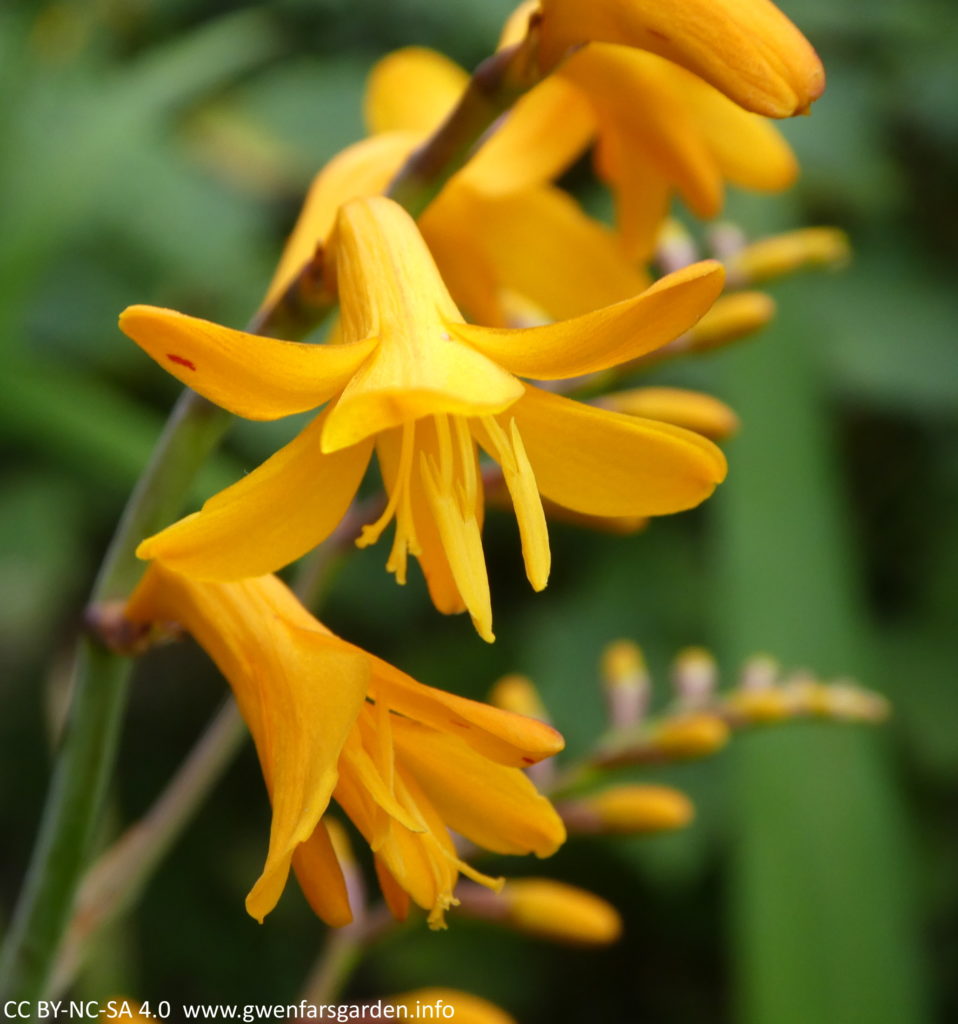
[658,128]
[330,721]
[414,381]
[747,49]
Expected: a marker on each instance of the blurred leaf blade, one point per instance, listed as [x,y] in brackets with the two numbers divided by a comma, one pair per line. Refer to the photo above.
[823,894]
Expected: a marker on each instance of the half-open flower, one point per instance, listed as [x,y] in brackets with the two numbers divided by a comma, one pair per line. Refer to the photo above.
[658,130]
[414,381]
[747,49]
[406,762]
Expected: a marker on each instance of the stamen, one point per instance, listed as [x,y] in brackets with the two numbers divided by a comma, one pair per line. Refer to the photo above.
[510,453]
[467,456]
[445,452]
[373,531]
[462,542]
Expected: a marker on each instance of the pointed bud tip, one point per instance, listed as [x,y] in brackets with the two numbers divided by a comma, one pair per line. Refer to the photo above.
[560,912]
[633,809]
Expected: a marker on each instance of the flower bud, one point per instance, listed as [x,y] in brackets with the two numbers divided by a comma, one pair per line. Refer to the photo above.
[852,703]
[787,253]
[689,736]
[559,912]
[627,810]
[626,681]
[692,410]
[761,705]
[518,694]
[734,316]
[760,672]
[695,676]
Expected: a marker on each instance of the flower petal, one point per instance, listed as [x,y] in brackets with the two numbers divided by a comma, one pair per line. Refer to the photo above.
[747,49]
[321,878]
[750,151]
[259,378]
[432,556]
[269,518]
[608,464]
[390,288]
[299,690]
[540,137]
[606,337]
[498,735]
[495,807]
[643,116]
[412,90]
[396,897]
[361,767]
[363,169]
[540,244]
[423,864]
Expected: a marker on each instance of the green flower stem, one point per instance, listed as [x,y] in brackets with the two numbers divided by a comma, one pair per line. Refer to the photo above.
[88,748]
[69,822]
[343,952]
[119,875]
[495,85]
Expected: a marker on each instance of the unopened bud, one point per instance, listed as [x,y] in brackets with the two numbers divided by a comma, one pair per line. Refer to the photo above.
[787,253]
[760,705]
[850,702]
[807,695]
[627,810]
[675,248]
[726,240]
[626,681]
[518,694]
[732,317]
[760,672]
[694,676]
[469,1009]
[692,410]
[559,912]
[689,736]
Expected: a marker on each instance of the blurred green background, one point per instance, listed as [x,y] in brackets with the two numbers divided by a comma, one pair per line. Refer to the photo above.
[157,152]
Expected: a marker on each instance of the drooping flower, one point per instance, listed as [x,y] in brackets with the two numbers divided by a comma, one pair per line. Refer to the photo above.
[424,388]
[658,128]
[329,721]
[747,49]
[506,242]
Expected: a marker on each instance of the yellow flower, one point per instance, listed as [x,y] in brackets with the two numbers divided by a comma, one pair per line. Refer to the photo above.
[747,49]
[500,234]
[406,762]
[659,129]
[411,379]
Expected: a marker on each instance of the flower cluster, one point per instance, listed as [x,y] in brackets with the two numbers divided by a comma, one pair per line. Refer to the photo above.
[461,339]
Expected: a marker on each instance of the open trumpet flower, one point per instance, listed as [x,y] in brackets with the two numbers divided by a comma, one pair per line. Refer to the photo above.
[405,761]
[426,390]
